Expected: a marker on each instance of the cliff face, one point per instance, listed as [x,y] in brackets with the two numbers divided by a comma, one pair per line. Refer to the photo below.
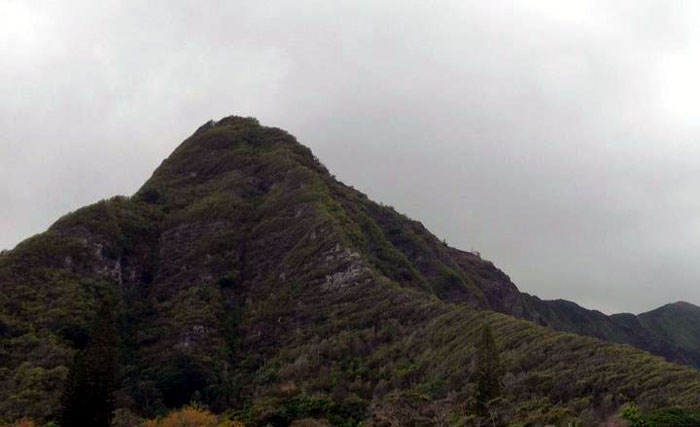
[244,276]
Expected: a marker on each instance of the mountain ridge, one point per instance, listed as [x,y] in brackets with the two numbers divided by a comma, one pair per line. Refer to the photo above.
[245,277]
[496,291]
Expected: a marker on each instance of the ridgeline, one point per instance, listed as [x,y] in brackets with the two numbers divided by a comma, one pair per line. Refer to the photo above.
[244,278]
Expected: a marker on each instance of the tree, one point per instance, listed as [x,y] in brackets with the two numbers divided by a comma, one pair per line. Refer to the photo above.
[488,372]
[92,380]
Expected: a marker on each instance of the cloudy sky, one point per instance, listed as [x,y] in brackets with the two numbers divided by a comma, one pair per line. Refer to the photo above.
[558,138]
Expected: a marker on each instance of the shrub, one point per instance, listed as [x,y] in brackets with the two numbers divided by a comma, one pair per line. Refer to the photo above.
[189,416]
[631,414]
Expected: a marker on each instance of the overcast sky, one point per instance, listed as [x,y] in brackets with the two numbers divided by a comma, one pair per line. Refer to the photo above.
[558,138]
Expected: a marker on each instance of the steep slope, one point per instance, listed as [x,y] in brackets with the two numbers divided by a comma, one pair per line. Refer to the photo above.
[678,324]
[247,278]
[405,251]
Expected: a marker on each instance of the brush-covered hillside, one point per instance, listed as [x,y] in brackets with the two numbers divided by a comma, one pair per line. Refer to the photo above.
[244,278]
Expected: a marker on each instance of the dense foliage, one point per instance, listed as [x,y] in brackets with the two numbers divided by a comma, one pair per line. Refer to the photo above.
[672,417]
[246,279]
[487,372]
[88,396]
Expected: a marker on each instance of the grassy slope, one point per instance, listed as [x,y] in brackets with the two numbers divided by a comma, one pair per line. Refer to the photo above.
[405,251]
[251,280]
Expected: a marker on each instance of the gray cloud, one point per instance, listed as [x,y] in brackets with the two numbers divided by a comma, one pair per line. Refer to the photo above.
[558,138]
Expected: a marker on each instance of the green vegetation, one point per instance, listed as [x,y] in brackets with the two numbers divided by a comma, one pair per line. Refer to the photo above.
[246,280]
[672,417]
[678,324]
[632,415]
[88,397]
[666,417]
[487,372]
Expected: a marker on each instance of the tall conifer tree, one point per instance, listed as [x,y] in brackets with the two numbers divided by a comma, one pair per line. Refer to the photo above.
[88,397]
[488,371]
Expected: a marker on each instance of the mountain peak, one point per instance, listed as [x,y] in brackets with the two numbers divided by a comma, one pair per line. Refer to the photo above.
[233,119]
[679,306]
[231,131]
[233,153]
[685,304]
[673,307]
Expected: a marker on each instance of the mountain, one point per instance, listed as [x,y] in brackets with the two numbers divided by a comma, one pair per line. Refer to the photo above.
[678,324]
[670,331]
[244,277]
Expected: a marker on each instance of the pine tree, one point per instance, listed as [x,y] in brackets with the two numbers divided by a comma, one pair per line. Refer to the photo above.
[88,395]
[488,371]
